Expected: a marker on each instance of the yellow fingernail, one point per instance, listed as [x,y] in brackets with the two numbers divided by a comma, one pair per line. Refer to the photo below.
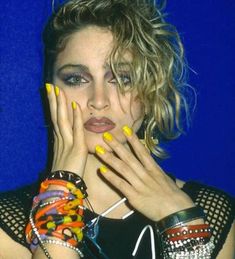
[48,87]
[108,136]
[103,169]
[100,150]
[57,91]
[127,131]
[74,105]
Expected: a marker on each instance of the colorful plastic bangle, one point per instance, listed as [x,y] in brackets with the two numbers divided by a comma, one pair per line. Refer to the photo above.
[44,210]
[50,194]
[45,184]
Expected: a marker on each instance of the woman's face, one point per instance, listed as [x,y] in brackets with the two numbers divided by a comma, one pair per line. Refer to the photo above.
[82,70]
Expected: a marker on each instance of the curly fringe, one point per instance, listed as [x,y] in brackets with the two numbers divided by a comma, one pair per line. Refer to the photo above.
[159,68]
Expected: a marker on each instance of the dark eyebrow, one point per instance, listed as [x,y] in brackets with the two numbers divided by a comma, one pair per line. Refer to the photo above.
[85,69]
[76,66]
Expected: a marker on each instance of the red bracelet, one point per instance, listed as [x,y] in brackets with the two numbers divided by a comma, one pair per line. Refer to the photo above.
[189,236]
[186,228]
[188,232]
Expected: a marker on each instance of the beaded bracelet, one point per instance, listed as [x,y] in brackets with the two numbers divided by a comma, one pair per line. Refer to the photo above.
[60,217]
[50,194]
[71,240]
[42,240]
[184,245]
[48,223]
[202,251]
[57,242]
[190,240]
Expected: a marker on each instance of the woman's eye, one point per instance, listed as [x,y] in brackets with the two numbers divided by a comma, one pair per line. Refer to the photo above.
[75,80]
[125,79]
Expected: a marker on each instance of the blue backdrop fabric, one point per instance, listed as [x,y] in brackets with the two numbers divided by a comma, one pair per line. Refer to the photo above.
[205,153]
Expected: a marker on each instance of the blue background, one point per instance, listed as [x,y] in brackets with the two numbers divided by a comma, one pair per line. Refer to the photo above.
[205,153]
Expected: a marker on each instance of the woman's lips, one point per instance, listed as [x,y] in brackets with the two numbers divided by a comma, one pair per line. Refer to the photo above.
[99,125]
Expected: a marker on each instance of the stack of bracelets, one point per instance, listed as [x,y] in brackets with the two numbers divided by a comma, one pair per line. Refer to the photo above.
[57,216]
[182,241]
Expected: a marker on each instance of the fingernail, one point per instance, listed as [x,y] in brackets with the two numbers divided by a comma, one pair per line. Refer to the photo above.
[57,91]
[48,87]
[103,169]
[100,150]
[74,105]
[108,136]
[127,131]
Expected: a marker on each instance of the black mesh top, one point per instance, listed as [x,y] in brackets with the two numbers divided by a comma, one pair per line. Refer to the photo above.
[118,237]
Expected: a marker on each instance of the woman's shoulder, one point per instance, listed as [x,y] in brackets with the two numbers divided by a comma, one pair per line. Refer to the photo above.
[14,211]
[9,246]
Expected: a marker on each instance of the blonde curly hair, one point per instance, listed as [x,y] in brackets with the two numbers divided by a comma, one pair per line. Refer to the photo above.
[158,70]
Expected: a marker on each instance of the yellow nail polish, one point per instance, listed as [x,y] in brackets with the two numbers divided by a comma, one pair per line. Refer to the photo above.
[74,105]
[108,136]
[100,150]
[48,87]
[103,169]
[57,91]
[127,131]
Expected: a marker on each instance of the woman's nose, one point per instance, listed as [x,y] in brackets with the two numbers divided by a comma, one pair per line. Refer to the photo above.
[99,99]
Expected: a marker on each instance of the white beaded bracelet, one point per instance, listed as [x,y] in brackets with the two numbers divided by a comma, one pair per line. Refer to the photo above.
[200,252]
[62,243]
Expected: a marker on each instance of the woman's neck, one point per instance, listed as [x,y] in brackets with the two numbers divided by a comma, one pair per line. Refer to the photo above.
[96,185]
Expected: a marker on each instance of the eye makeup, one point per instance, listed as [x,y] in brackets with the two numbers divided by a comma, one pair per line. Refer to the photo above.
[74,75]
[78,75]
[123,76]
[73,79]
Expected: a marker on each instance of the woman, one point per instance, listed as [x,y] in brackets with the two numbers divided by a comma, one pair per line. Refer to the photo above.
[114,69]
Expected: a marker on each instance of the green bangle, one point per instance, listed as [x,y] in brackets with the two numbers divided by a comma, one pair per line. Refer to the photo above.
[179,218]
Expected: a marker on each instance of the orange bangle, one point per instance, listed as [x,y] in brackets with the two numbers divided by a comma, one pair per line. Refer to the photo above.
[45,184]
[43,211]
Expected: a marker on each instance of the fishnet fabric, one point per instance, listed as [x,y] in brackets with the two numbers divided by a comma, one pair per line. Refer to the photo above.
[14,212]
[218,206]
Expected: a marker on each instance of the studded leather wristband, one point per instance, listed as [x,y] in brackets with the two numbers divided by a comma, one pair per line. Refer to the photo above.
[69,177]
[180,218]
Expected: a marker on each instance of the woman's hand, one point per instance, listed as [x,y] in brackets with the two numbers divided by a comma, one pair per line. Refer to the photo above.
[70,149]
[147,188]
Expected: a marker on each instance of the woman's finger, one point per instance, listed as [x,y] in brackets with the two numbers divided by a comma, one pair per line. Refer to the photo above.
[53,106]
[140,150]
[120,167]
[124,154]
[78,131]
[62,117]
[119,183]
